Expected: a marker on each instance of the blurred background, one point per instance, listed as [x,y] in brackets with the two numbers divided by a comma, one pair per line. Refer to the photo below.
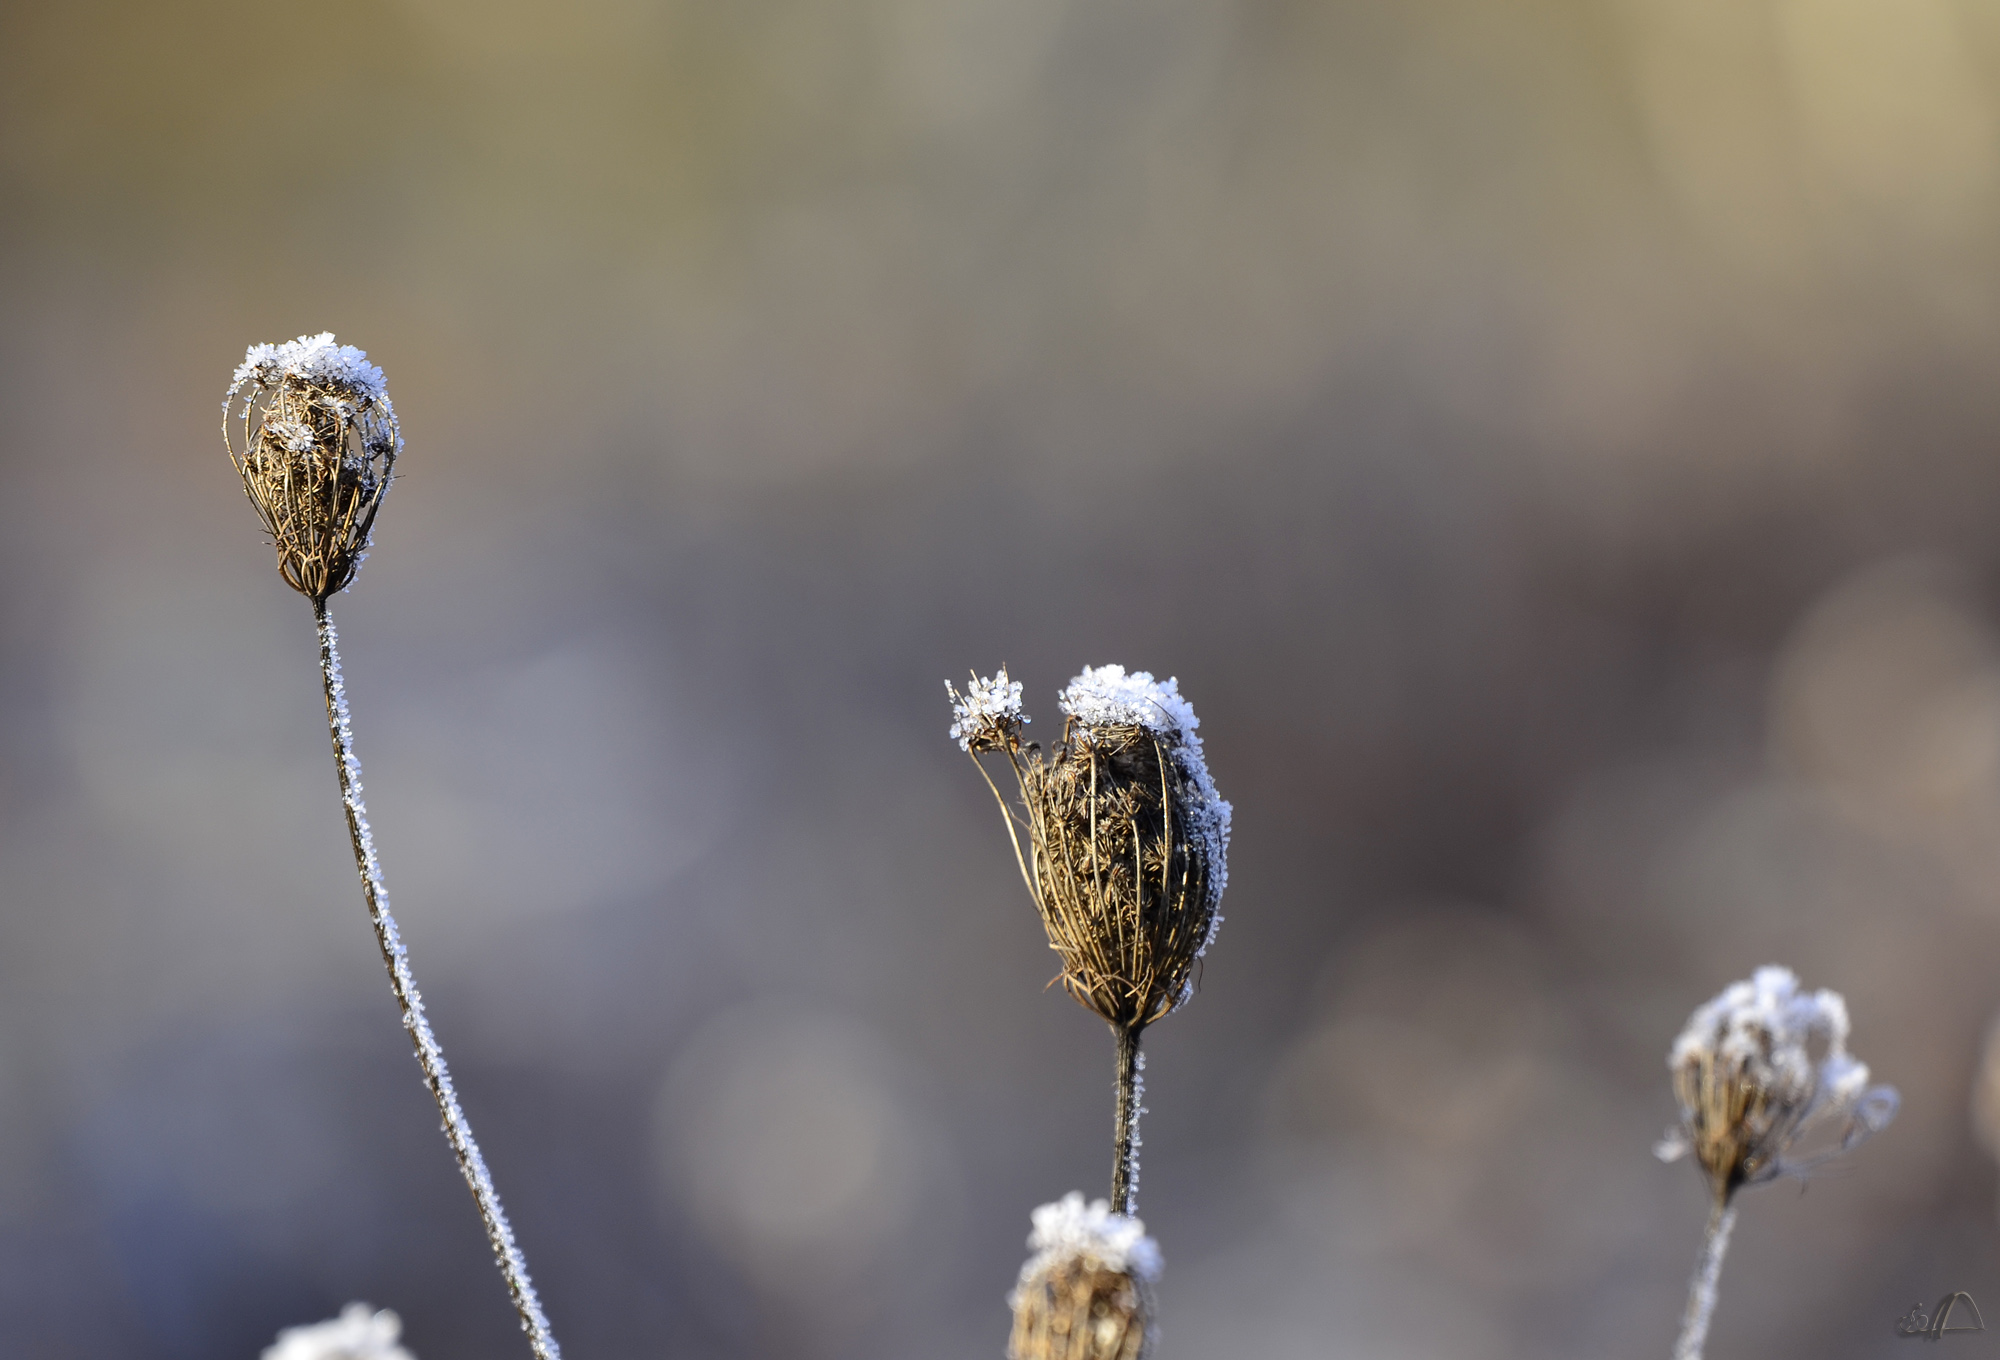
[1553,444]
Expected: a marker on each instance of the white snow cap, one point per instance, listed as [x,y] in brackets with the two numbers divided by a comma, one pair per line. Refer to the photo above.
[315,359]
[1764,1026]
[357,1334]
[985,706]
[1108,695]
[1069,1228]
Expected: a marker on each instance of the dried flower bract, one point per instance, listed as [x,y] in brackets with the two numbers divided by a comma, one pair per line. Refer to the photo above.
[1087,1293]
[315,444]
[1766,1085]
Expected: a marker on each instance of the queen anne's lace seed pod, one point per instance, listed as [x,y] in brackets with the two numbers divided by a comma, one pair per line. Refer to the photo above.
[1130,844]
[1128,841]
[1087,1292]
[1125,852]
[1766,1085]
[315,442]
[315,445]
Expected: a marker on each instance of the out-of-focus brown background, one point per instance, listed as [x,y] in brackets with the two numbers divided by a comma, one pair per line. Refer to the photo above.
[1553,444]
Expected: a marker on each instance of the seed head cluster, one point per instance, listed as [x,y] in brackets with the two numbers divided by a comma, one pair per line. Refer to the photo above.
[315,442]
[1766,1085]
[1087,1292]
[1126,840]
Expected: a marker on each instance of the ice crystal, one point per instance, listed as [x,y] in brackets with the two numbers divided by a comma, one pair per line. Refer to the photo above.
[1139,1111]
[357,1334]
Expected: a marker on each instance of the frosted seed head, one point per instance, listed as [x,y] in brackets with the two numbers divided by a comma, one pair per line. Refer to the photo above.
[1087,1292]
[1131,844]
[357,1334]
[1766,1085]
[311,431]
[987,717]
[1127,844]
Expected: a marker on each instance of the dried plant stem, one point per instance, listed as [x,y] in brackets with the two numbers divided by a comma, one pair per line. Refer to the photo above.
[1125,1134]
[430,1057]
[1702,1287]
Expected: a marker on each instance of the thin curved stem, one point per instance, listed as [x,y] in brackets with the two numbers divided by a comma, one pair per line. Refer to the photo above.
[1007,814]
[1702,1286]
[430,1057]
[1125,1132]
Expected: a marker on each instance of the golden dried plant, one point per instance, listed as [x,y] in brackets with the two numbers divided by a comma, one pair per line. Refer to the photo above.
[1766,1085]
[1120,876]
[1123,843]
[1087,1293]
[316,448]
[1126,838]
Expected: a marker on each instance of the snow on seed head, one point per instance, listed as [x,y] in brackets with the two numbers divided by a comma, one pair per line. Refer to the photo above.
[987,717]
[319,360]
[356,1334]
[1070,1227]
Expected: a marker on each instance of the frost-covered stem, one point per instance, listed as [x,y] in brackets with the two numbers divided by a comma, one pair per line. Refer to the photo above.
[1701,1288]
[457,1132]
[1125,1133]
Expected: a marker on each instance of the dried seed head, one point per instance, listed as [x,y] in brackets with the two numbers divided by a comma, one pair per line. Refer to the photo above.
[1128,841]
[1130,845]
[315,448]
[1766,1085]
[1087,1293]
